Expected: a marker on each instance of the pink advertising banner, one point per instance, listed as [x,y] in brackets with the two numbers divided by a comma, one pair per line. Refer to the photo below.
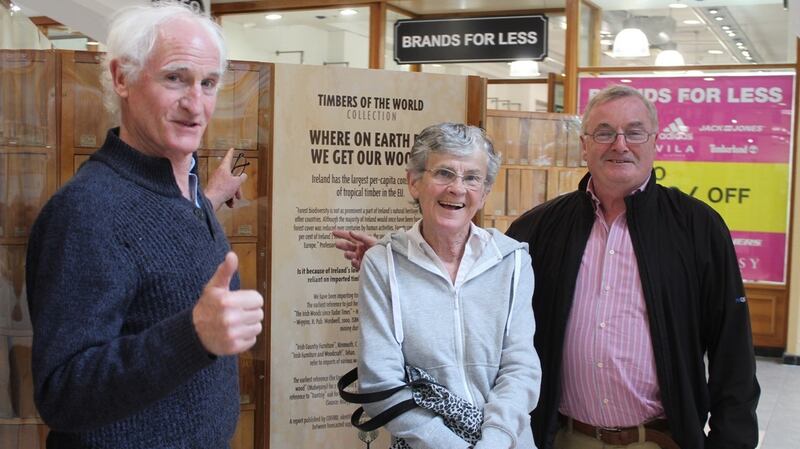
[726,133]
[720,118]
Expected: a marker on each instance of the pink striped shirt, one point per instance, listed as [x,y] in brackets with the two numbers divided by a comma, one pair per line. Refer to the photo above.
[608,374]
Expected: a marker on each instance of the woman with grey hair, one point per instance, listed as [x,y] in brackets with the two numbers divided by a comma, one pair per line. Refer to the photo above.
[451,298]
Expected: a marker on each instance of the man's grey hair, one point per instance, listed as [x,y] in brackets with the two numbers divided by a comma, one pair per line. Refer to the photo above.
[452,139]
[132,37]
[616,92]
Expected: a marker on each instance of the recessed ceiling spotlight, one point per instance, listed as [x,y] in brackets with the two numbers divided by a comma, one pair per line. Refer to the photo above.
[719,18]
[712,11]
[692,22]
[732,34]
[715,52]
[15,8]
[708,78]
[734,121]
[348,12]
[625,80]
[726,27]
[273,17]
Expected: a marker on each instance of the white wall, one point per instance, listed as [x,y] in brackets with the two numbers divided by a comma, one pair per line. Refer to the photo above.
[318,46]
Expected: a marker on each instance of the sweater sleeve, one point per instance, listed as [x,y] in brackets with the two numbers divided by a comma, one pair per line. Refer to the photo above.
[87,370]
[516,389]
[732,384]
[381,364]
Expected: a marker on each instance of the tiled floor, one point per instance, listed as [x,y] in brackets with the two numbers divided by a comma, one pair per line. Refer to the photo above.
[779,407]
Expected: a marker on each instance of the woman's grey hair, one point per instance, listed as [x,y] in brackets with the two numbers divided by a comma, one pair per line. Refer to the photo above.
[132,36]
[453,139]
[615,92]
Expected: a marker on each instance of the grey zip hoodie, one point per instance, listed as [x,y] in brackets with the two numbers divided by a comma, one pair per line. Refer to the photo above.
[475,338]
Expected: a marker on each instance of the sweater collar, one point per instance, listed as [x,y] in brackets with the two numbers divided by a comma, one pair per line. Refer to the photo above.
[152,173]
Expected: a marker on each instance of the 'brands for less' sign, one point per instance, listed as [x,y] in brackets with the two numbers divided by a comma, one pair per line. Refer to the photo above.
[483,39]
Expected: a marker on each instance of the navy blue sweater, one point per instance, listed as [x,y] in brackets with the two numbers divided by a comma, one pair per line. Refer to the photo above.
[116,261]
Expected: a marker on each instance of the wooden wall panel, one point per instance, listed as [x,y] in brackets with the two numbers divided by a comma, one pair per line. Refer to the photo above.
[93,121]
[246,109]
[768,314]
[221,132]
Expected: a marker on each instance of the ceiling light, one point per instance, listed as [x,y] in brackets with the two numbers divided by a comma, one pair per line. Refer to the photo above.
[669,57]
[631,43]
[524,68]
[734,121]
[678,5]
[15,8]
[273,17]
[348,12]
[625,80]
[248,25]
[715,52]
[718,18]
[692,22]
[708,78]
[712,11]
[725,27]
[731,34]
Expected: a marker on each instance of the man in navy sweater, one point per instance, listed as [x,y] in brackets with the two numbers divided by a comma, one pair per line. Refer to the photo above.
[133,289]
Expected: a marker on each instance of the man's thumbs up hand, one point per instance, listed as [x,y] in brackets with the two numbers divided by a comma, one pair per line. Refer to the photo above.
[227,322]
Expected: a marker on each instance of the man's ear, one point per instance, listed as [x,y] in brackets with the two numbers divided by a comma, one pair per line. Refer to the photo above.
[119,79]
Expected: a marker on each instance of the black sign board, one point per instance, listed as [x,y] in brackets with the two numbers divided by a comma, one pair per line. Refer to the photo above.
[483,39]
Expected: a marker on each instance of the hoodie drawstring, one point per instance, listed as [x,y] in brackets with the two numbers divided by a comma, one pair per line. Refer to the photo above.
[397,318]
[515,284]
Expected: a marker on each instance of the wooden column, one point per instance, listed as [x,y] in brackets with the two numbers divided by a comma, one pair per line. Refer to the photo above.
[571,61]
[792,354]
[377,34]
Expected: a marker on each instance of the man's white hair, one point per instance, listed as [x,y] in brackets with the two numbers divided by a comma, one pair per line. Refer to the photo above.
[132,36]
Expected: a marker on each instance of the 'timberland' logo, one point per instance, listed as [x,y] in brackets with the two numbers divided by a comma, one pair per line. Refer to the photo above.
[677,130]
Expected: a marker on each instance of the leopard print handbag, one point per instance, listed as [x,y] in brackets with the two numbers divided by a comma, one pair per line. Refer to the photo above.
[463,418]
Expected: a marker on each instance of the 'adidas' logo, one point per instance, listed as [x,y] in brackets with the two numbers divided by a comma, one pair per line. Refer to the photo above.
[677,130]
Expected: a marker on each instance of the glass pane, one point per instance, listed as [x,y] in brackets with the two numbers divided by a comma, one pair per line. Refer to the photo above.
[755,31]
[313,36]
[517,97]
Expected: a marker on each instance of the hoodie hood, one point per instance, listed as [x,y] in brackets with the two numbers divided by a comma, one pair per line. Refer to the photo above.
[498,247]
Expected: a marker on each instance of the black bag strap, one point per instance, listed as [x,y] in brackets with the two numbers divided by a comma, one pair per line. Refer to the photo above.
[364,398]
[383,417]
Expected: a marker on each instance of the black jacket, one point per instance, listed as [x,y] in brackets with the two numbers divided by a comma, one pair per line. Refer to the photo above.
[695,303]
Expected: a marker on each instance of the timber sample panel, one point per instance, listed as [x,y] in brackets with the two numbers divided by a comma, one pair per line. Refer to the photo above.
[541,160]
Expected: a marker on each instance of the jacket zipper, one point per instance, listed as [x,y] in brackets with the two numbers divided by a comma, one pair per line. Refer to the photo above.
[460,347]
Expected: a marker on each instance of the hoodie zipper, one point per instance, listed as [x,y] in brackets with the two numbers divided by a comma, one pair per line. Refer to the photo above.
[460,346]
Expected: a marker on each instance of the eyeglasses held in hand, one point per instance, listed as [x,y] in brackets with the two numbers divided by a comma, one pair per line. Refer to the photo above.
[239,164]
[630,136]
[445,177]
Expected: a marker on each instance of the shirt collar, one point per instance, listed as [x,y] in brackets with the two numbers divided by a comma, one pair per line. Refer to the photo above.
[596,200]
